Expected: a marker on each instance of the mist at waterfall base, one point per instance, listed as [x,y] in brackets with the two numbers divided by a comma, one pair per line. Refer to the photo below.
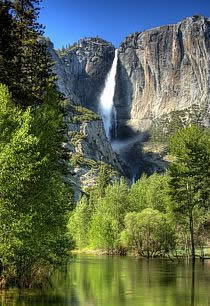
[130,151]
[129,148]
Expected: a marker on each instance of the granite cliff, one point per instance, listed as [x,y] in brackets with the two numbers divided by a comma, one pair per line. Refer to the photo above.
[82,69]
[160,71]
[162,83]
[163,70]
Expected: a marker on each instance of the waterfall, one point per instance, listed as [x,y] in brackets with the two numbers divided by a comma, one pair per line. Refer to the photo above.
[115,121]
[107,98]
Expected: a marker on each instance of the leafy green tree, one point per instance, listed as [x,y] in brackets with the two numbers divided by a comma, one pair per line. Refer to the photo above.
[151,192]
[149,233]
[25,66]
[87,209]
[190,174]
[108,218]
[79,223]
[34,201]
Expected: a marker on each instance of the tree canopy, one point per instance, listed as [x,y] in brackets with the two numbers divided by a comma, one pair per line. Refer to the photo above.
[25,65]
[34,200]
[190,173]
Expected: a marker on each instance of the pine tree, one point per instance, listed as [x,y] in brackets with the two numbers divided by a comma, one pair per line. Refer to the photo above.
[7,53]
[103,179]
[26,67]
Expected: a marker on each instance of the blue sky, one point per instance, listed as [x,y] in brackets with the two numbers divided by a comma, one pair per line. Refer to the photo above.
[67,21]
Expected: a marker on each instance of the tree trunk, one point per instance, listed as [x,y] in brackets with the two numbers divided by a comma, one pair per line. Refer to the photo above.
[192,237]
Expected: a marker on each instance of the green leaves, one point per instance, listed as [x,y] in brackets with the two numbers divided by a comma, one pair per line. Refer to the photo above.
[190,173]
[149,233]
[34,201]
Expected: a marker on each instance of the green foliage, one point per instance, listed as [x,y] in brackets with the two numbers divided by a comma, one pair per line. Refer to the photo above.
[149,233]
[76,137]
[108,204]
[150,192]
[25,66]
[156,215]
[108,219]
[200,230]
[34,201]
[168,124]
[81,114]
[98,220]
[79,223]
[104,179]
[190,173]
[78,159]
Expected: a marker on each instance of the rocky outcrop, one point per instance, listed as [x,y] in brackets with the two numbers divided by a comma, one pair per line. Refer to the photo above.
[163,70]
[82,69]
[87,149]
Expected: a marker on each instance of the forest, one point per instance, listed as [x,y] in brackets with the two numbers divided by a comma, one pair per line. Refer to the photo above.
[163,215]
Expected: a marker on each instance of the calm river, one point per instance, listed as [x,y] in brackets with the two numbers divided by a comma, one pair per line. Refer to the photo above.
[120,281]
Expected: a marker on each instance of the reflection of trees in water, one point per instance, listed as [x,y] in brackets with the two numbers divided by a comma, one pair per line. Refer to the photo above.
[25,297]
[193,285]
[100,280]
[121,281]
[117,281]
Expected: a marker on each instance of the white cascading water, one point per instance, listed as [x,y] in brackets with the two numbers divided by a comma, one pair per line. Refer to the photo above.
[107,98]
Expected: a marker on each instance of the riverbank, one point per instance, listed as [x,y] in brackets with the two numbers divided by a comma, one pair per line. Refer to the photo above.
[204,255]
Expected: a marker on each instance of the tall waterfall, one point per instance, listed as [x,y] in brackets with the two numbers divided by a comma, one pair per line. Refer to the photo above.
[107,98]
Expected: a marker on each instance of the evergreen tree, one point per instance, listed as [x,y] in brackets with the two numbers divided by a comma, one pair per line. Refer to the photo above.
[7,53]
[25,66]
[103,179]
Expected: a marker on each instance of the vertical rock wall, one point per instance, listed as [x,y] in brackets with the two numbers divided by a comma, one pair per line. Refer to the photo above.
[162,70]
[82,70]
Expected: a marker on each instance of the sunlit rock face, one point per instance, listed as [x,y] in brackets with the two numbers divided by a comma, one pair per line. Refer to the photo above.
[162,82]
[162,70]
[86,149]
[82,70]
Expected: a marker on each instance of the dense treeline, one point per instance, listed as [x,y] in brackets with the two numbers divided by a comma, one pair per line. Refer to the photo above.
[160,215]
[34,200]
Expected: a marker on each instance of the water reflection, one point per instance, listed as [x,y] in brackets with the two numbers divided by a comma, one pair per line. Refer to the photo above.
[120,281]
[193,285]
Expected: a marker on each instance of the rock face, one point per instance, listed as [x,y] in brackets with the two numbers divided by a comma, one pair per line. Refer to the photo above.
[162,83]
[82,70]
[163,70]
[87,149]
[160,70]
